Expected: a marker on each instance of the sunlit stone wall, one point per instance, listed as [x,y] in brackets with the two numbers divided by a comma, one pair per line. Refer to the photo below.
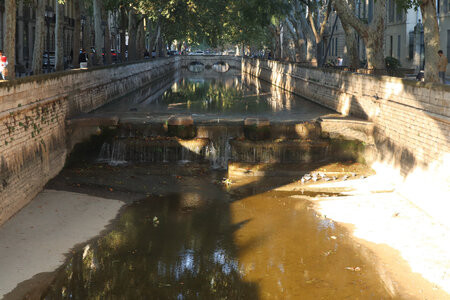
[411,122]
[33,112]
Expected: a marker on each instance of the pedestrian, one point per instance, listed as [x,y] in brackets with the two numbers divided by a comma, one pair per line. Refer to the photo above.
[82,59]
[339,61]
[442,65]
[3,64]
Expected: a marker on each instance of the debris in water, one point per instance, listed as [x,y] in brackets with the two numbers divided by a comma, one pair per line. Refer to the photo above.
[354,269]
[155,221]
[333,237]
[227,181]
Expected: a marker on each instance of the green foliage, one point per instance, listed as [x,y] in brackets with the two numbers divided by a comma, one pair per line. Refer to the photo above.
[392,63]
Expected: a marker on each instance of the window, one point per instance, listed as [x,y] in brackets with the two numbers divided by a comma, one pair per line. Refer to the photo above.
[411,45]
[399,15]
[391,10]
[370,16]
[399,47]
[335,46]
[448,43]
[391,46]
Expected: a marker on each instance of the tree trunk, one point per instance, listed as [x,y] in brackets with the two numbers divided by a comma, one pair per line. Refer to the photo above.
[139,40]
[39,40]
[99,38]
[299,39]
[351,45]
[107,41]
[350,41]
[373,34]
[59,37]
[431,40]
[19,40]
[311,45]
[132,32]
[87,39]
[122,30]
[76,34]
[10,37]
[153,39]
[276,41]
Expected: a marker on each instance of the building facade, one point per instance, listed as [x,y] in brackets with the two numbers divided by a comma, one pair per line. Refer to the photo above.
[403,38]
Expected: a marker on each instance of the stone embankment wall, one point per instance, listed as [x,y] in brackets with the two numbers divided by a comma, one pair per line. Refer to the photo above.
[33,111]
[411,123]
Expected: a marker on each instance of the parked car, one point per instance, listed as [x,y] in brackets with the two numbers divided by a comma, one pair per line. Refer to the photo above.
[198,52]
[45,59]
[114,55]
[173,52]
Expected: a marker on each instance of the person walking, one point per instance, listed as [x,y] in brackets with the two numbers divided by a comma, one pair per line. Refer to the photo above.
[3,64]
[442,65]
[82,59]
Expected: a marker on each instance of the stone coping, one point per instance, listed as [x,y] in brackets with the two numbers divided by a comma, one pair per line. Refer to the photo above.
[384,78]
[47,76]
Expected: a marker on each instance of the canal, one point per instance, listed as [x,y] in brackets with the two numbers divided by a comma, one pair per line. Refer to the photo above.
[195,231]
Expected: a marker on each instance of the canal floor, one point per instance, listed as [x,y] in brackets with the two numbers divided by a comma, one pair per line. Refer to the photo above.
[190,235]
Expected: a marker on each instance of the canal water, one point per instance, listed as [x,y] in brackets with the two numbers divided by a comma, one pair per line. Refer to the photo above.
[194,234]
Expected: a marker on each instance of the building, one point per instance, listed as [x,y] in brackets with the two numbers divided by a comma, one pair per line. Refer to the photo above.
[403,35]
[25,31]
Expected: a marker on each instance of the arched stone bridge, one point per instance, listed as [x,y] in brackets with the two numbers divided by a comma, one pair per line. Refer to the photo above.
[208,61]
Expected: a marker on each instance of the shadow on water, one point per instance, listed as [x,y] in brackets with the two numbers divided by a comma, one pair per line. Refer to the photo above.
[172,247]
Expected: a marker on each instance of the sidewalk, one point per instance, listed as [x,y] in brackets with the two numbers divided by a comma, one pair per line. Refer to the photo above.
[53,223]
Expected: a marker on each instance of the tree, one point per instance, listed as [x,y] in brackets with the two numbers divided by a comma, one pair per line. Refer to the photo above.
[59,36]
[99,39]
[296,31]
[431,39]
[10,37]
[350,40]
[39,41]
[76,33]
[372,34]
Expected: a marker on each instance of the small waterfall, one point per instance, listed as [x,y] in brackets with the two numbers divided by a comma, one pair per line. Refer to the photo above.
[211,154]
[113,154]
[219,152]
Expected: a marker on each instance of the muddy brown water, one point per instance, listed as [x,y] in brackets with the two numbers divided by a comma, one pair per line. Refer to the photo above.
[191,237]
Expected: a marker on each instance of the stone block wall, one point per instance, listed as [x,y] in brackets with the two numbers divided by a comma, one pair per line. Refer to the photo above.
[33,110]
[411,122]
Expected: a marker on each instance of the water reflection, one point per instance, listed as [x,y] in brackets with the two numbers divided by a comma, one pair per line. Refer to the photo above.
[188,254]
[220,94]
[187,246]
